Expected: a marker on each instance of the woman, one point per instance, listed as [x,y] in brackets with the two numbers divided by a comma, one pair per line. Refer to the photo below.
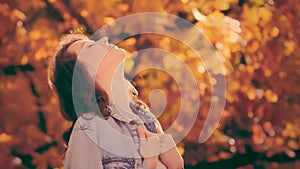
[111,128]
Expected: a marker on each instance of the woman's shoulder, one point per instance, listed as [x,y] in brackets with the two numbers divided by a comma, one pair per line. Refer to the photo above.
[86,121]
[90,123]
[95,126]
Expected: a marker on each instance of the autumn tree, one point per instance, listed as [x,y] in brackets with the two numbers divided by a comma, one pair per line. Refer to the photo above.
[256,40]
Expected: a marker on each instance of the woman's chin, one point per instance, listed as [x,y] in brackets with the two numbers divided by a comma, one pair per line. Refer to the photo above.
[121,52]
[116,52]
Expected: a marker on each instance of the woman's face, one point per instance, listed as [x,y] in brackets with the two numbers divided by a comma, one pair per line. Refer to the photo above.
[93,52]
[95,48]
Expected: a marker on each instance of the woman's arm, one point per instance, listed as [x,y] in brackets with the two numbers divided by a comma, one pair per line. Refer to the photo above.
[82,152]
[172,159]
[149,147]
[169,154]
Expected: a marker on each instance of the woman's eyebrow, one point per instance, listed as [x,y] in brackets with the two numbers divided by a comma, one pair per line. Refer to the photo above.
[82,46]
[77,42]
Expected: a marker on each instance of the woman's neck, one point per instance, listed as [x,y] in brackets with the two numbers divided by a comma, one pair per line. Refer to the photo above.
[115,85]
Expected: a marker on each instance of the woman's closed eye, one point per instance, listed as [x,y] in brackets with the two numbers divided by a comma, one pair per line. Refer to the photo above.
[90,45]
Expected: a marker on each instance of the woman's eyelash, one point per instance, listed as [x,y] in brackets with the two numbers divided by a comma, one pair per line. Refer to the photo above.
[90,45]
[93,44]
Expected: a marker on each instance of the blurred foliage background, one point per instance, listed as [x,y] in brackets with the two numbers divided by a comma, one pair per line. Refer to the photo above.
[257,42]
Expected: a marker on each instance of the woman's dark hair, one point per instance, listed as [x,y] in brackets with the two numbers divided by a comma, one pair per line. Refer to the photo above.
[61,77]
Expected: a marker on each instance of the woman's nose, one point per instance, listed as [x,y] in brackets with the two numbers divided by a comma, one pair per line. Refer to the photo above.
[103,40]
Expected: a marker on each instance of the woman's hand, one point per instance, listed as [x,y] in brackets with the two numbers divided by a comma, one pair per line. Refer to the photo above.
[149,146]
[159,146]
[169,154]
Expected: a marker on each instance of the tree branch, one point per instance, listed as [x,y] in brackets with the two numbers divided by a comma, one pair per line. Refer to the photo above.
[12,69]
[53,12]
[80,19]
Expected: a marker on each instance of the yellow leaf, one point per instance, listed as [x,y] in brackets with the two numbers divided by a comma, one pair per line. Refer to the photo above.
[24,60]
[251,95]
[35,34]
[222,4]
[5,138]
[84,13]
[109,20]
[274,32]
[129,65]
[257,2]
[289,47]
[279,141]
[20,15]
[265,14]
[181,150]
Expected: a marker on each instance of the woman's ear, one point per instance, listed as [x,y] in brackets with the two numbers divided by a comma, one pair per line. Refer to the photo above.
[103,102]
